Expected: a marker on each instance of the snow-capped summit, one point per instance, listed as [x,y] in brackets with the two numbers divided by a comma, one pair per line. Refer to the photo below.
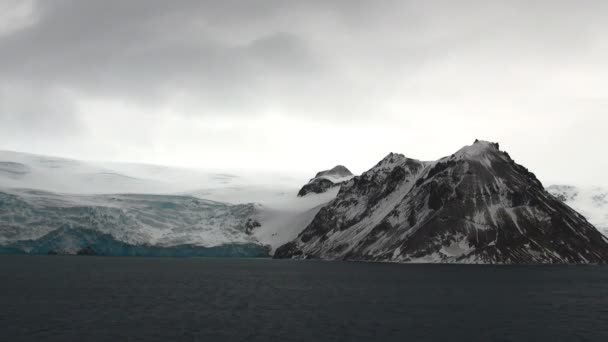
[325,180]
[389,161]
[337,172]
[475,206]
[479,149]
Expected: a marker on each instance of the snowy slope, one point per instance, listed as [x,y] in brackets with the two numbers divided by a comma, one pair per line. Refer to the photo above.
[21,170]
[475,206]
[164,207]
[54,174]
[283,221]
[592,202]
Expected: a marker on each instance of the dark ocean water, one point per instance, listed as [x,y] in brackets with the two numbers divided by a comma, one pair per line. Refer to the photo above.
[61,298]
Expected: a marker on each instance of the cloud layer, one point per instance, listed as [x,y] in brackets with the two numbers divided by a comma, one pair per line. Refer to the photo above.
[306,85]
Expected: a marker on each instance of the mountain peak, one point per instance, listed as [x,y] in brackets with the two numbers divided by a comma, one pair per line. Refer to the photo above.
[391,158]
[476,206]
[326,180]
[389,162]
[338,170]
[479,147]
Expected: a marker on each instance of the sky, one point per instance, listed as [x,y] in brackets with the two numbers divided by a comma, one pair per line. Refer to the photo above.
[305,85]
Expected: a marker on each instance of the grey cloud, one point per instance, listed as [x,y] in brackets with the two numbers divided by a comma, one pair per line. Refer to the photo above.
[28,114]
[279,53]
[145,50]
[478,65]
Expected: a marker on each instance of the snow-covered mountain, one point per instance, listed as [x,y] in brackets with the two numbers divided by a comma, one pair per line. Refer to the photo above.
[57,203]
[592,202]
[326,180]
[475,206]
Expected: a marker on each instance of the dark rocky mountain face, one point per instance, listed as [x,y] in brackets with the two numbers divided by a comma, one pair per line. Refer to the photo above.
[316,186]
[476,206]
[337,171]
[326,180]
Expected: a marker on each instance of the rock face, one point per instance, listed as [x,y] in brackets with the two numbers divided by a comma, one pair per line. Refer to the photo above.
[339,171]
[476,206]
[326,180]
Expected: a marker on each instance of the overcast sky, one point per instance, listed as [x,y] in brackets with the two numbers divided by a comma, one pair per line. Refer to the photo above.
[305,85]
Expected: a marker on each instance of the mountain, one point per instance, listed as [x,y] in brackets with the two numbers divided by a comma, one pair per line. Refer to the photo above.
[591,202]
[475,206]
[326,180]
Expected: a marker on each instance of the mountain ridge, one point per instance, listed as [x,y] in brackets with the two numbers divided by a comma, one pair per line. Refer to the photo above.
[475,206]
[398,193]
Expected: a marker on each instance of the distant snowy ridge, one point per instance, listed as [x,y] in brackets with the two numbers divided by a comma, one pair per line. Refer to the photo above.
[591,202]
[475,206]
[62,175]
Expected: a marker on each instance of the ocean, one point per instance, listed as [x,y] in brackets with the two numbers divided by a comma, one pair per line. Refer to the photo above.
[90,298]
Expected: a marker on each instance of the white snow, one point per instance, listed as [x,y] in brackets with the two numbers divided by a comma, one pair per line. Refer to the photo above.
[73,183]
[283,221]
[480,151]
[22,170]
[589,201]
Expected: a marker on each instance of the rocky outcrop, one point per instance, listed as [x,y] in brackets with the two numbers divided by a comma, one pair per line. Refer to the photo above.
[475,206]
[316,186]
[326,180]
[337,171]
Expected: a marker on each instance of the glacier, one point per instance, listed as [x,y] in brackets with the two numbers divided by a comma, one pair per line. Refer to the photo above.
[59,205]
